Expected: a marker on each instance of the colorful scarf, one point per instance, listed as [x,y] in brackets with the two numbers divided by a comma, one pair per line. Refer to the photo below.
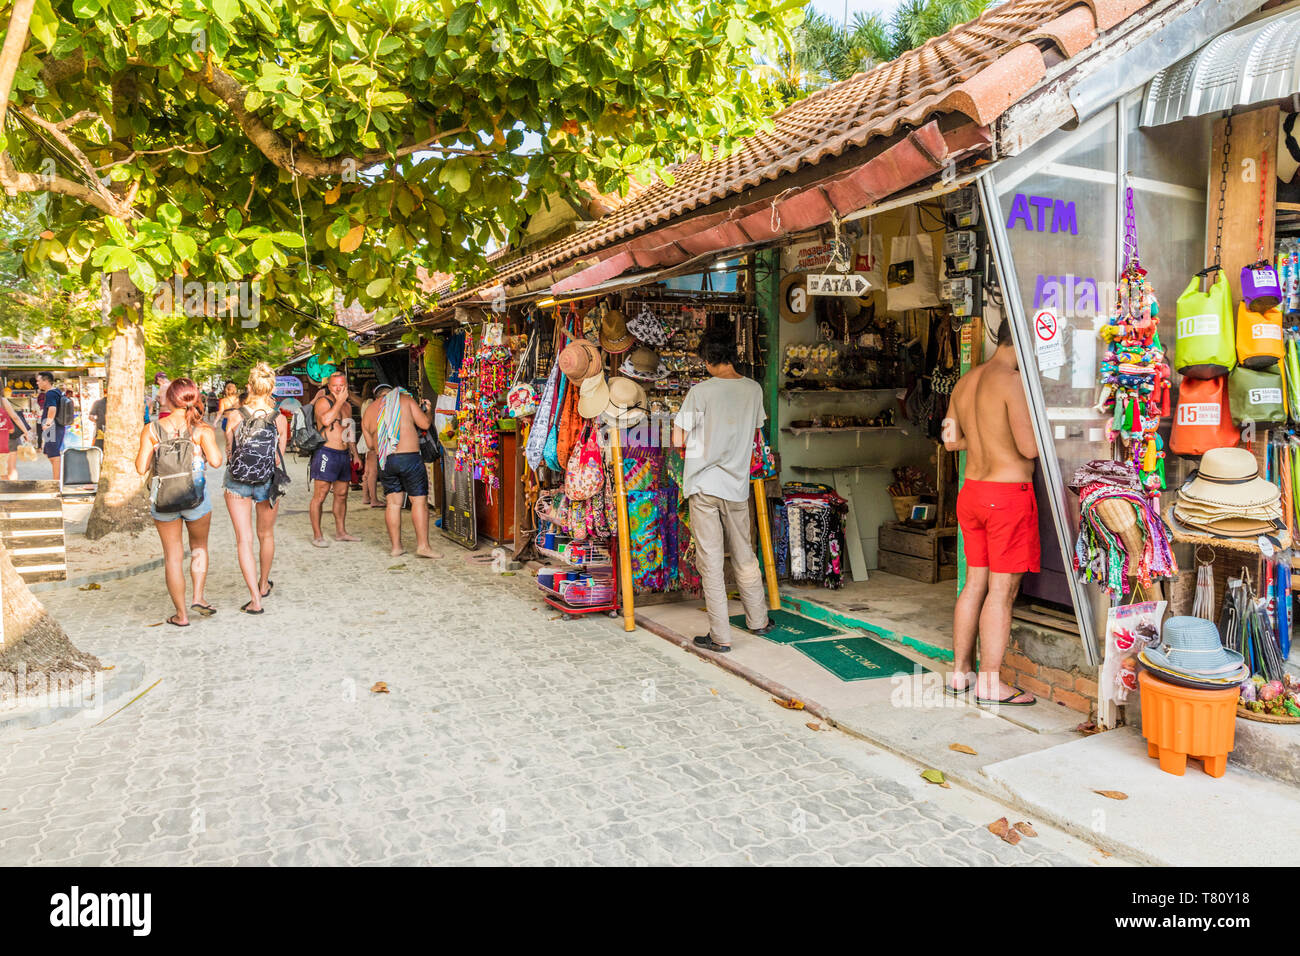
[388,430]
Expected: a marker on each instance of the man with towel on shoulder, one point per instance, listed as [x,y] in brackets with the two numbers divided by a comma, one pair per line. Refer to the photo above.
[391,426]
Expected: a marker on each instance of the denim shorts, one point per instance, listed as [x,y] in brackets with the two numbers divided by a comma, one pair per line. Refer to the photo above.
[260,492]
[204,507]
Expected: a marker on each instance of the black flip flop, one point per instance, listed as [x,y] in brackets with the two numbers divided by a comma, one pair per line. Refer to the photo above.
[246,609]
[709,644]
[957,692]
[175,623]
[270,586]
[1009,700]
[207,610]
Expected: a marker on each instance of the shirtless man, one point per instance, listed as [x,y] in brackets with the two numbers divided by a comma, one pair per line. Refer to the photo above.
[390,426]
[988,418]
[331,464]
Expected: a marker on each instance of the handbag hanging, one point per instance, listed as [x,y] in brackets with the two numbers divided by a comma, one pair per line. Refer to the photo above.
[911,281]
[1259,337]
[761,462]
[1202,419]
[584,477]
[1260,287]
[1205,346]
[1256,395]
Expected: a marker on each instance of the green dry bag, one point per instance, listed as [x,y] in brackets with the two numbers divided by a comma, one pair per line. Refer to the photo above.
[1256,395]
[1205,346]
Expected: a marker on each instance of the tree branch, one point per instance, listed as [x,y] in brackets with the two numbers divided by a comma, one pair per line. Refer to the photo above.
[73,150]
[76,118]
[15,182]
[277,149]
[12,51]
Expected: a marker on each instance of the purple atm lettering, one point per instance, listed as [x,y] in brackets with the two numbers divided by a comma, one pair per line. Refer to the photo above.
[1064,217]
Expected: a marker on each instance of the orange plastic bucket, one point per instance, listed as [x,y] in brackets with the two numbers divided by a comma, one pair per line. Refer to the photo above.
[1181,722]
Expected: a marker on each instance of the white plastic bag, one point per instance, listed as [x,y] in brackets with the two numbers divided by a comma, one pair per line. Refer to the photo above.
[912,281]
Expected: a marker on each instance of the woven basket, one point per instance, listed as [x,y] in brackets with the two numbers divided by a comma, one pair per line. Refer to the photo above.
[1265,718]
[903,505]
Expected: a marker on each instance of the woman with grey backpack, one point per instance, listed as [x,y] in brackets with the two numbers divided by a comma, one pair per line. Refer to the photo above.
[255,478]
[175,453]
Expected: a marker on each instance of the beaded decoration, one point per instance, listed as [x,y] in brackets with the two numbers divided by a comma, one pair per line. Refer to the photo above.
[1134,373]
[484,379]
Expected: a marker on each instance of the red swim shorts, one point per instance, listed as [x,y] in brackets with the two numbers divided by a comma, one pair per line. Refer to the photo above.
[999,525]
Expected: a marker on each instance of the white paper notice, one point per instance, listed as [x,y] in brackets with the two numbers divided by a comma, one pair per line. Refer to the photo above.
[1050,343]
[1085,359]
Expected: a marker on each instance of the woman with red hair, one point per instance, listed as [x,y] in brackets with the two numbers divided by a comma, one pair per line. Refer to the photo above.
[185,422]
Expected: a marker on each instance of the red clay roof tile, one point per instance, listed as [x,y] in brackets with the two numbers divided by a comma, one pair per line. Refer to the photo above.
[978,69]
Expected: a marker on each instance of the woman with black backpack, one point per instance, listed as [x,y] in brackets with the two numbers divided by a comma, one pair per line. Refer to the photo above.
[175,453]
[255,478]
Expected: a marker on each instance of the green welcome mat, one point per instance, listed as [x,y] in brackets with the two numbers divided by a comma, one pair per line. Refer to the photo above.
[857,658]
[790,627]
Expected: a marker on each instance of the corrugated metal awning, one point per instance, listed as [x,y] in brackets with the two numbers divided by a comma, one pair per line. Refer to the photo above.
[1252,64]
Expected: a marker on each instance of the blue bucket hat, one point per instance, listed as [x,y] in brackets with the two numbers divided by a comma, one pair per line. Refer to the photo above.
[1191,646]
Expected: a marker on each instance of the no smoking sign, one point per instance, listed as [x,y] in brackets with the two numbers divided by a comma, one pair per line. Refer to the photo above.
[1047,333]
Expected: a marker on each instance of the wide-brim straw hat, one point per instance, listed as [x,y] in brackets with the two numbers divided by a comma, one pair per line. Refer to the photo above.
[593,396]
[614,336]
[644,364]
[580,360]
[1228,480]
[1190,646]
[627,403]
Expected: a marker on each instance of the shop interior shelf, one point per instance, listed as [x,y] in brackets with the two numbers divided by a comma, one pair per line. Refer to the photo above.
[853,428]
[796,392]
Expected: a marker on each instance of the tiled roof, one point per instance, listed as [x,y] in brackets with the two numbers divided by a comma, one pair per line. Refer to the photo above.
[977,70]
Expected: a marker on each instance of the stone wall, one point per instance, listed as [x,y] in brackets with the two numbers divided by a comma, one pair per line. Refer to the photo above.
[1050,664]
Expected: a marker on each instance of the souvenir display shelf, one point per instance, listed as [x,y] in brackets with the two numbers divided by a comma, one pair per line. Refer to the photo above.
[593,555]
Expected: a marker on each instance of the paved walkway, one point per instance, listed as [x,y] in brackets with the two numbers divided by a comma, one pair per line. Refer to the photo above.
[509,736]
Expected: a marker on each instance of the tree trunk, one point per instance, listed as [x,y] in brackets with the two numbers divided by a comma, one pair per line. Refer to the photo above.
[31,637]
[121,501]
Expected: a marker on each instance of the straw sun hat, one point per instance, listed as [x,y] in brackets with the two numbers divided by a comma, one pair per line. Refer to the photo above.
[593,396]
[627,403]
[580,360]
[1227,497]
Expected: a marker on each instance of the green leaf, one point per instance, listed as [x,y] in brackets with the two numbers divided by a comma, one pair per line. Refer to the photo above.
[457,176]
[142,275]
[735,31]
[290,239]
[459,19]
[116,229]
[227,11]
[44,25]
[168,214]
[184,246]
[86,9]
[378,287]
[263,248]
[234,220]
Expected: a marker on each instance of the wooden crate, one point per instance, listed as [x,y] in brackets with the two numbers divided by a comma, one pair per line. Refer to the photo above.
[928,555]
[31,528]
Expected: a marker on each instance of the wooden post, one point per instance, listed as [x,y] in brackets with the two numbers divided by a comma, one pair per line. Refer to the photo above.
[765,537]
[971,355]
[1253,134]
[624,553]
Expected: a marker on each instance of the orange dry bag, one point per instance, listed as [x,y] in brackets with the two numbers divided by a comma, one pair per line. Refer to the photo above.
[1259,337]
[1202,419]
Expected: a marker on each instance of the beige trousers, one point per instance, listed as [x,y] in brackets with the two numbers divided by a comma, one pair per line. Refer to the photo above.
[719,526]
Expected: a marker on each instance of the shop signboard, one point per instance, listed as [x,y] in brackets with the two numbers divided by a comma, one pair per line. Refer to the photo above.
[36,355]
[287,386]
[849,285]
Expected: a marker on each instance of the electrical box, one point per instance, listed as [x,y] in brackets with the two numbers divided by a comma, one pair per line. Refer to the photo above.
[961,293]
[961,249]
[962,208]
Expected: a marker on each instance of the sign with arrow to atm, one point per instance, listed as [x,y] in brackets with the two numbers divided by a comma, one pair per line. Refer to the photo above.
[850,284]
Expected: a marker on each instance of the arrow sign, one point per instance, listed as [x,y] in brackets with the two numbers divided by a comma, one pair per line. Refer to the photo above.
[850,284]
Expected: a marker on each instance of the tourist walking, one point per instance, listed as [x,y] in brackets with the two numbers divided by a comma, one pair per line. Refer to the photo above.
[391,427]
[255,444]
[229,402]
[988,418]
[716,425]
[98,418]
[331,463]
[11,421]
[370,469]
[56,415]
[175,453]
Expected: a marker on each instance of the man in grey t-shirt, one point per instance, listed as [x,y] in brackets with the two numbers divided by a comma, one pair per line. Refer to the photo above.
[716,426]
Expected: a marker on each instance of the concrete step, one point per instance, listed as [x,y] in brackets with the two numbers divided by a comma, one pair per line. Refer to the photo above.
[1192,820]
[1272,750]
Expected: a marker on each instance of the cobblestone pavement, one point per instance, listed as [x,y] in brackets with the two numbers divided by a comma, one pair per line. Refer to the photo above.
[508,736]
